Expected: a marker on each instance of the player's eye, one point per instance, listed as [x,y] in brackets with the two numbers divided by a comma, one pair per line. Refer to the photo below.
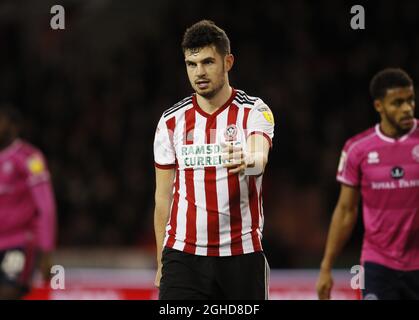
[190,64]
[398,102]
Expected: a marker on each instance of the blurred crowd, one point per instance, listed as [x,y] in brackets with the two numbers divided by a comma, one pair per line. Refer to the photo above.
[92,95]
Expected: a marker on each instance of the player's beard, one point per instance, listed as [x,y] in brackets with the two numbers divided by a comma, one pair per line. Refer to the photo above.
[397,125]
[217,87]
[212,93]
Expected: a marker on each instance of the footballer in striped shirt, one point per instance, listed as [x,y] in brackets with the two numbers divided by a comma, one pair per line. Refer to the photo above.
[210,152]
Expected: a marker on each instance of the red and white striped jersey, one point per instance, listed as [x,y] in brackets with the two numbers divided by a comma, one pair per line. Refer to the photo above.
[212,213]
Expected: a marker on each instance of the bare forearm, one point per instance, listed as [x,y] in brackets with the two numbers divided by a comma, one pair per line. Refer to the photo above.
[163,199]
[257,160]
[340,230]
[161,216]
[257,155]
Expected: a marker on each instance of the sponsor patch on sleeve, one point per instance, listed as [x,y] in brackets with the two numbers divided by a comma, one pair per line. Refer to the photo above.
[267,114]
[36,165]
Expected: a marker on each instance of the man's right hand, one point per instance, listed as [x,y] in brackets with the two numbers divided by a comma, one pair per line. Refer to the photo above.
[324,284]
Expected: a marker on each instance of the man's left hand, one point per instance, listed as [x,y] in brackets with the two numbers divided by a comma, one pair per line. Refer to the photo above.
[237,160]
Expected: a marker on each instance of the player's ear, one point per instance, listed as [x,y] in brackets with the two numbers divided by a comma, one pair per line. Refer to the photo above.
[228,61]
[378,105]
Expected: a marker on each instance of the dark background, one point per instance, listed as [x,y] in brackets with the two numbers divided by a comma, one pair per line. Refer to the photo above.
[92,95]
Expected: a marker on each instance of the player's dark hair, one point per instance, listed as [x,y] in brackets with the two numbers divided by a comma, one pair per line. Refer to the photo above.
[205,33]
[11,113]
[389,78]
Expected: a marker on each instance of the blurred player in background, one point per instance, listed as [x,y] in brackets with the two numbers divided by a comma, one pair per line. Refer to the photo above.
[27,209]
[210,153]
[381,166]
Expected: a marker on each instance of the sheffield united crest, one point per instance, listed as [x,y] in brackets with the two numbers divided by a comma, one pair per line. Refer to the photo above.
[231,133]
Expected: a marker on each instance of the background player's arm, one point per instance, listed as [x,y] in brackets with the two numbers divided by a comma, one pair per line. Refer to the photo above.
[163,199]
[43,196]
[39,183]
[343,221]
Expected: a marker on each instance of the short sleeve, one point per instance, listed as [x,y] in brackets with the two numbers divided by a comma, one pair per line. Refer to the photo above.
[164,152]
[261,121]
[349,166]
[36,169]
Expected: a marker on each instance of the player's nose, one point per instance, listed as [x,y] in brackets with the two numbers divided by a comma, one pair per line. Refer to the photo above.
[408,108]
[200,70]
